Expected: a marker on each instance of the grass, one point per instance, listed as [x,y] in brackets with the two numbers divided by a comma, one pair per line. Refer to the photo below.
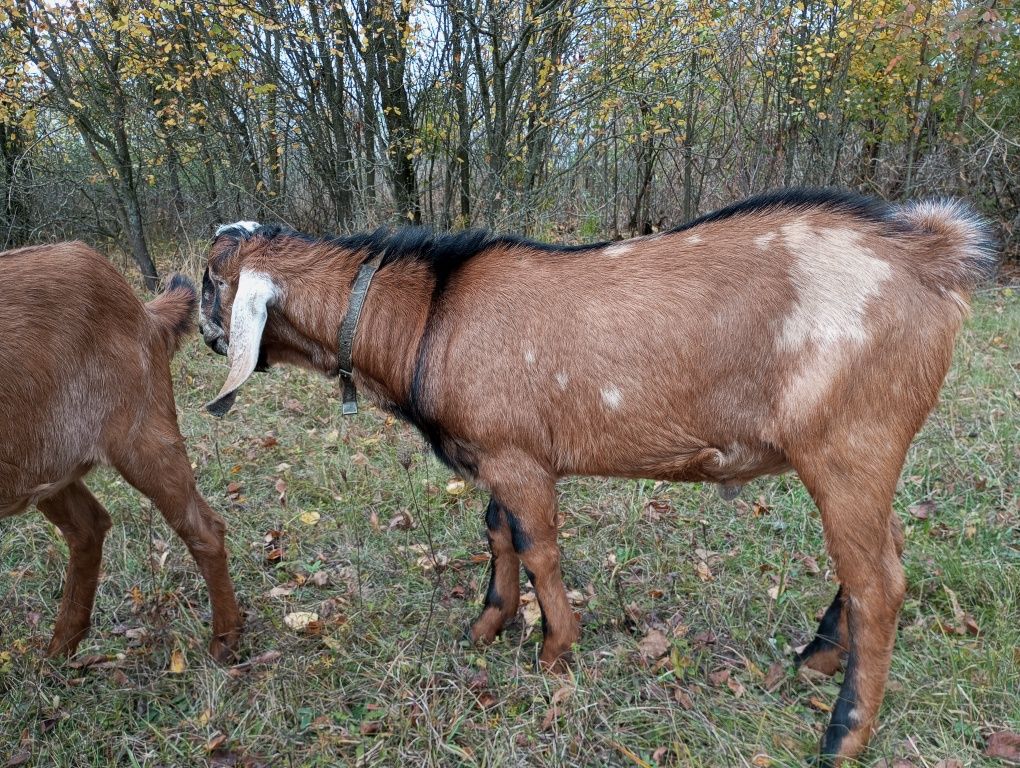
[384,677]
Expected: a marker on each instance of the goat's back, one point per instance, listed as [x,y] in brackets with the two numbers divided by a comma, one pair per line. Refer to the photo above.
[80,361]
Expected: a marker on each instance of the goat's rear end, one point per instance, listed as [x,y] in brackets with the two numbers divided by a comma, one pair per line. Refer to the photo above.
[85,380]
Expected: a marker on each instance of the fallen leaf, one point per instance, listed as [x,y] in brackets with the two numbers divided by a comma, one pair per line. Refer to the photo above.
[762,760]
[178,663]
[922,510]
[300,621]
[704,572]
[1005,746]
[774,677]
[215,742]
[310,518]
[359,459]
[369,727]
[654,645]
[455,487]
[487,700]
[402,521]
[19,758]
[281,591]
[90,660]
[532,614]
[559,697]
[319,579]
[719,677]
[683,698]
[819,704]
[773,592]
[660,754]
[949,762]
[281,490]
[735,686]
[809,563]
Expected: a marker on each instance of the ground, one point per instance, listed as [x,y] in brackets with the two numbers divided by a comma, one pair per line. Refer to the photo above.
[690,605]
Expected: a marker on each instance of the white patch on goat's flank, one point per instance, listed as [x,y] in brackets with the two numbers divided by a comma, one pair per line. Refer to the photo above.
[620,249]
[562,379]
[694,239]
[762,241]
[612,398]
[834,276]
[247,226]
[529,356]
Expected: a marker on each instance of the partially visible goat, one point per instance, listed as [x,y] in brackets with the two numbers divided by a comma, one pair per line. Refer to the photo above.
[85,380]
[806,329]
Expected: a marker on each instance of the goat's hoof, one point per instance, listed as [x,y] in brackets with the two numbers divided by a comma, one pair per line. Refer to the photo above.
[64,644]
[827,662]
[224,651]
[555,664]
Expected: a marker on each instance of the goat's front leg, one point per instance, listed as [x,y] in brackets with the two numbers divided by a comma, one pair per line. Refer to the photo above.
[526,496]
[83,522]
[504,592]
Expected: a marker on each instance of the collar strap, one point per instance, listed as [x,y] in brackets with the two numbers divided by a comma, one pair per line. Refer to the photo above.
[349,328]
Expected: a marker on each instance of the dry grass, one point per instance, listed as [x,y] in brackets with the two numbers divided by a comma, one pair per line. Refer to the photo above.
[387,680]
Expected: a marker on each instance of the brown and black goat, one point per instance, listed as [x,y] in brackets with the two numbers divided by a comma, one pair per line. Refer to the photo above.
[85,380]
[804,329]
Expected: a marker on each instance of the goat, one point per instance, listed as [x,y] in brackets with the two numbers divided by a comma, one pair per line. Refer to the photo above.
[85,380]
[805,329]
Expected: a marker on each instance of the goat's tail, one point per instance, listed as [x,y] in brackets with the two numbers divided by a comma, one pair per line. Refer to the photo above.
[960,247]
[173,311]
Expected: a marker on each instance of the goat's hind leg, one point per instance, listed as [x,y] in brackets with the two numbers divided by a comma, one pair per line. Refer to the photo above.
[83,522]
[162,472]
[826,652]
[503,594]
[861,537]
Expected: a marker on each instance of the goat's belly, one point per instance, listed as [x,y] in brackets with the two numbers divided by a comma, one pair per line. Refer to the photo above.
[730,466]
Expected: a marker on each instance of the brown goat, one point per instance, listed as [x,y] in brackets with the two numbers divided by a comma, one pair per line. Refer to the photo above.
[85,380]
[806,329]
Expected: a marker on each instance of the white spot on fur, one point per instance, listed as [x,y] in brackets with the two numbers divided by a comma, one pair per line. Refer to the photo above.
[762,241]
[529,356]
[562,379]
[247,226]
[694,239]
[834,276]
[612,398]
[620,249]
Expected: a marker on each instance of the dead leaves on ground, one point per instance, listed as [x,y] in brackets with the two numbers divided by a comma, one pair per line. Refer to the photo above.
[1005,746]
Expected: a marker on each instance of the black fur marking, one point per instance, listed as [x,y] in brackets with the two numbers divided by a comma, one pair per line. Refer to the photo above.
[840,724]
[530,575]
[518,536]
[531,578]
[492,597]
[806,198]
[493,520]
[828,630]
[443,252]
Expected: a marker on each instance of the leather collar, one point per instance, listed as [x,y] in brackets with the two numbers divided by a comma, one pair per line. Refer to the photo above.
[348,329]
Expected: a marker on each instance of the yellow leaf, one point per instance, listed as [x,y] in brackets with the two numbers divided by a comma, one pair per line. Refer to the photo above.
[455,487]
[310,518]
[299,620]
[177,662]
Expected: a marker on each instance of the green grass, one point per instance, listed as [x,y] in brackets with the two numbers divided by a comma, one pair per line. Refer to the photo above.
[388,680]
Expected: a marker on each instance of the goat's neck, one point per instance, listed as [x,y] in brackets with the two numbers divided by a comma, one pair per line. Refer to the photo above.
[390,331]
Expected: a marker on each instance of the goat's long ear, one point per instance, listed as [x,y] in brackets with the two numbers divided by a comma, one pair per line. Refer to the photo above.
[255,293]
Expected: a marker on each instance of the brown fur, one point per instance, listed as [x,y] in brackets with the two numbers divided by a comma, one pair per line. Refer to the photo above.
[85,380]
[802,336]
